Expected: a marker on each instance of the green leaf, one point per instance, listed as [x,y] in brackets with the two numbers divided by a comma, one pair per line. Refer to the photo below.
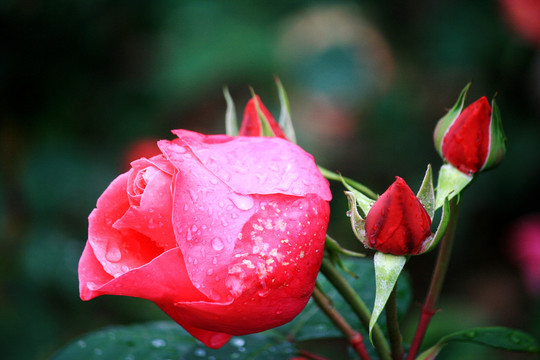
[231,122]
[496,337]
[426,194]
[167,340]
[285,120]
[450,183]
[387,270]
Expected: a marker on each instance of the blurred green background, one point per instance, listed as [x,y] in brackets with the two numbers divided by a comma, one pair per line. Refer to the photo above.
[82,82]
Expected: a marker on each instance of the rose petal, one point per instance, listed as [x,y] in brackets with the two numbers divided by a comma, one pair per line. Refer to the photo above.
[257,165]
[207,217]
[117,250]
[273,271]
[152,217]
[164,279]
[211,339]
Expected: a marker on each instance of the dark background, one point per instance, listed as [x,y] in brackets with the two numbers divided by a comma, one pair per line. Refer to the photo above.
[81,82]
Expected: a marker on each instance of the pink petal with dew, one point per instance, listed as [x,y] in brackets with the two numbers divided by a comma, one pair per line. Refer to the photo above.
[273,271]
[152,217]
[117,250]
[207,217]
[257,165]
[164,279]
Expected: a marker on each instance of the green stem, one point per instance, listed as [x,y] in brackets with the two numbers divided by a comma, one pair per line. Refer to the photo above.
[437,279]
[354,337]
[392,324]
[357,305]
[330,175]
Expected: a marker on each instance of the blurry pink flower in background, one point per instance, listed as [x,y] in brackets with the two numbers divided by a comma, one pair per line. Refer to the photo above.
[524,18]
[525,250]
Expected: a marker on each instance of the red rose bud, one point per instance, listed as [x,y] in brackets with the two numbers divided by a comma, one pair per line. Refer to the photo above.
[397,223]
[255,115]
[471,140]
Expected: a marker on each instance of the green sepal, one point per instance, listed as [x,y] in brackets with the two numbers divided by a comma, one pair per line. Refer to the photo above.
[330,175]
[426,194]
[365,203]
[285,120]
[495,337]
[387,270]
[450,183]
[357,222]
[266,129]
[231,122]
[434,239]
[446,121]
[497,139]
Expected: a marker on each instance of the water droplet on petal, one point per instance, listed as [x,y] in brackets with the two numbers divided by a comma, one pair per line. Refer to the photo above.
[209,272]
[243,202]
[113,253]
[214,261]
[217,244]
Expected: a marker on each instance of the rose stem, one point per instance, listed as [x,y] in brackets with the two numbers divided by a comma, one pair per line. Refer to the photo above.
[357,305]
[311,356]
[443,258]
[392,324]
[354,337]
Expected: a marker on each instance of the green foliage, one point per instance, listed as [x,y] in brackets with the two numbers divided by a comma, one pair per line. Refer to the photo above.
[166,340]
[496,337]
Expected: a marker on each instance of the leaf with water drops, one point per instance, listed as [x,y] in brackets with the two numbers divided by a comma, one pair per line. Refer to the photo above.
[496,337]
[166,340]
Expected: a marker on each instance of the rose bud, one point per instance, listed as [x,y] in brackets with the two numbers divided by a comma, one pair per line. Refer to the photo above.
[225,234]
[397,223]
[472,139]
[252,125]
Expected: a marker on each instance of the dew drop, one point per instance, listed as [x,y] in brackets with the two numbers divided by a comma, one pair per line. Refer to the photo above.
[243,202]
[470,334]
[200,352]
[238,342]
[214,261]
[193,194]
[158,343]
[515,338]
[209,272]
[217,244]
[81,343]
[125,268]
[349,213]
[113,253]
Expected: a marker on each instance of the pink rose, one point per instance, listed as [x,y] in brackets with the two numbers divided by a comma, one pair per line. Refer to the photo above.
[225,234]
